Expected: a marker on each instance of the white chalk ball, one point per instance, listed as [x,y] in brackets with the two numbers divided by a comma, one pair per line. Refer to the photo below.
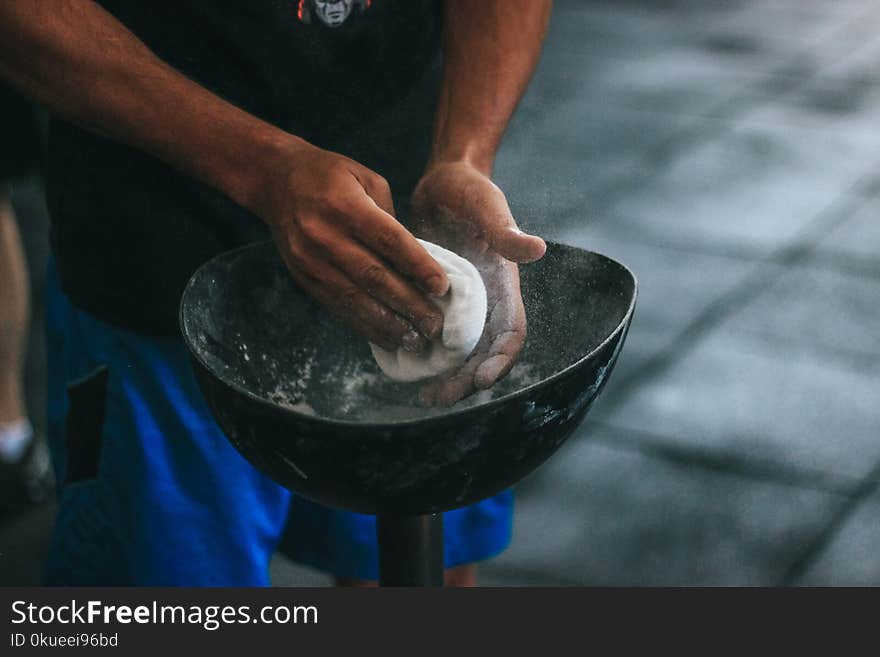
[464,315]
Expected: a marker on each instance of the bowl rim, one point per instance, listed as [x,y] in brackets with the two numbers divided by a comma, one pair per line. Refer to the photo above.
[380,425]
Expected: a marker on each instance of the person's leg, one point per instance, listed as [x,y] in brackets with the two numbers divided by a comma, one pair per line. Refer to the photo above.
[20,153]
[14,312]
[344,544]
[24,465]
[151,493]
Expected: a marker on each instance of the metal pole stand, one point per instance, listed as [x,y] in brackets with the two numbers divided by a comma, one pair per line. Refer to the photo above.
[410,550]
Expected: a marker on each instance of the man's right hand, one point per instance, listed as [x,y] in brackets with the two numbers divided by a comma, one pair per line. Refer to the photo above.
[333,223]
[332,218]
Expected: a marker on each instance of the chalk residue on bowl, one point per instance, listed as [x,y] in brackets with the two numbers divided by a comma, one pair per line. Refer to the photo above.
[355,391]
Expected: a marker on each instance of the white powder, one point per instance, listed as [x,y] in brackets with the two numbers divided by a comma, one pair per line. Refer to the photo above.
[357,392]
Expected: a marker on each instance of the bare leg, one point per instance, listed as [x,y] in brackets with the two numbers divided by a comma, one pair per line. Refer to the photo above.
[14,314]
[25,474]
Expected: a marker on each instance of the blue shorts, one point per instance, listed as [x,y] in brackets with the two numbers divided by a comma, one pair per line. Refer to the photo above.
[152,493]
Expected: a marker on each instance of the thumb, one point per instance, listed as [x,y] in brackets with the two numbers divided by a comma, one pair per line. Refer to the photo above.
[505,238]
[511,243]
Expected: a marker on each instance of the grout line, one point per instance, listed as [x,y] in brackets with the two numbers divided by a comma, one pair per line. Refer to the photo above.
[515,572]
[768,470]
[722,307]
[717,120]
[849,264]
[869,485]
[829,258]
[851,359]
[738,296]
[728,250]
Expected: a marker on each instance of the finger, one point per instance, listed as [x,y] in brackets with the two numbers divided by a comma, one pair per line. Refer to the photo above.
[377,323]
[502,234]
[353,306]
[452,388]
[502,355]
[378,189]
[458,384]
[384,235]
[386,286]
[481,372]
[507,326]
[491,370]
[516,245]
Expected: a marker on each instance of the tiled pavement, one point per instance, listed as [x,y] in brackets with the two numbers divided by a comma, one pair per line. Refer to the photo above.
[739,440]
[729,152]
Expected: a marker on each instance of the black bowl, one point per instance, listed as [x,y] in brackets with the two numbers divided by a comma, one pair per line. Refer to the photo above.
[301,398]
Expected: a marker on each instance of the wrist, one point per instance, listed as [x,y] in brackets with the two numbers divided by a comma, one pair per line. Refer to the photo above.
[470,153]
[251,176]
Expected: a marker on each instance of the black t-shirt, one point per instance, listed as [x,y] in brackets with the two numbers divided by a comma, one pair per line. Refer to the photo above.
[21,137]
[359,77]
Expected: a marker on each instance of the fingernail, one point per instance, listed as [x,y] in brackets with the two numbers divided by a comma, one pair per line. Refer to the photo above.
[431,327]
[413,342]
[436,286]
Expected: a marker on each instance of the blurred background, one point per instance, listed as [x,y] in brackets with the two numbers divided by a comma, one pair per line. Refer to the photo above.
[728,151]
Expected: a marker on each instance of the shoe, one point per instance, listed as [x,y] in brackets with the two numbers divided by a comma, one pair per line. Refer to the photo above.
[29,480]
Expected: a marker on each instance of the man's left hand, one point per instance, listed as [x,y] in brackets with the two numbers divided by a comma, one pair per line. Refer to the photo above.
[458,207]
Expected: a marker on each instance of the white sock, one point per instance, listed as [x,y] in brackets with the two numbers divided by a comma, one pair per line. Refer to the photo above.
[15,438]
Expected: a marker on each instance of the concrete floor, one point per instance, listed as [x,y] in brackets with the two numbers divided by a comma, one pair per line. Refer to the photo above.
[728,153]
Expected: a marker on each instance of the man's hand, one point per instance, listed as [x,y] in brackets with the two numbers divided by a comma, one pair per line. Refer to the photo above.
[332,218]
[490,49]
[333,223]
[457,206]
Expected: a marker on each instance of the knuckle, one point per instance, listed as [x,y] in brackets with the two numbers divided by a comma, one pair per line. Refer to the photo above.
[306,271]
[387,239]
[293,253]
[372,274]
[317,240]
[328,201]
[311,228]
[341,173]
[381,184]
[336,167]
[326,194]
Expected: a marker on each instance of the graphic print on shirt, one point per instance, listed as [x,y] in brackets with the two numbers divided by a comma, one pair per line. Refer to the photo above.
[331,13]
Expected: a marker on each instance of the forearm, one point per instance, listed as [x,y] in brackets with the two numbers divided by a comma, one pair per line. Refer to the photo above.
[490,49]
[85,66]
